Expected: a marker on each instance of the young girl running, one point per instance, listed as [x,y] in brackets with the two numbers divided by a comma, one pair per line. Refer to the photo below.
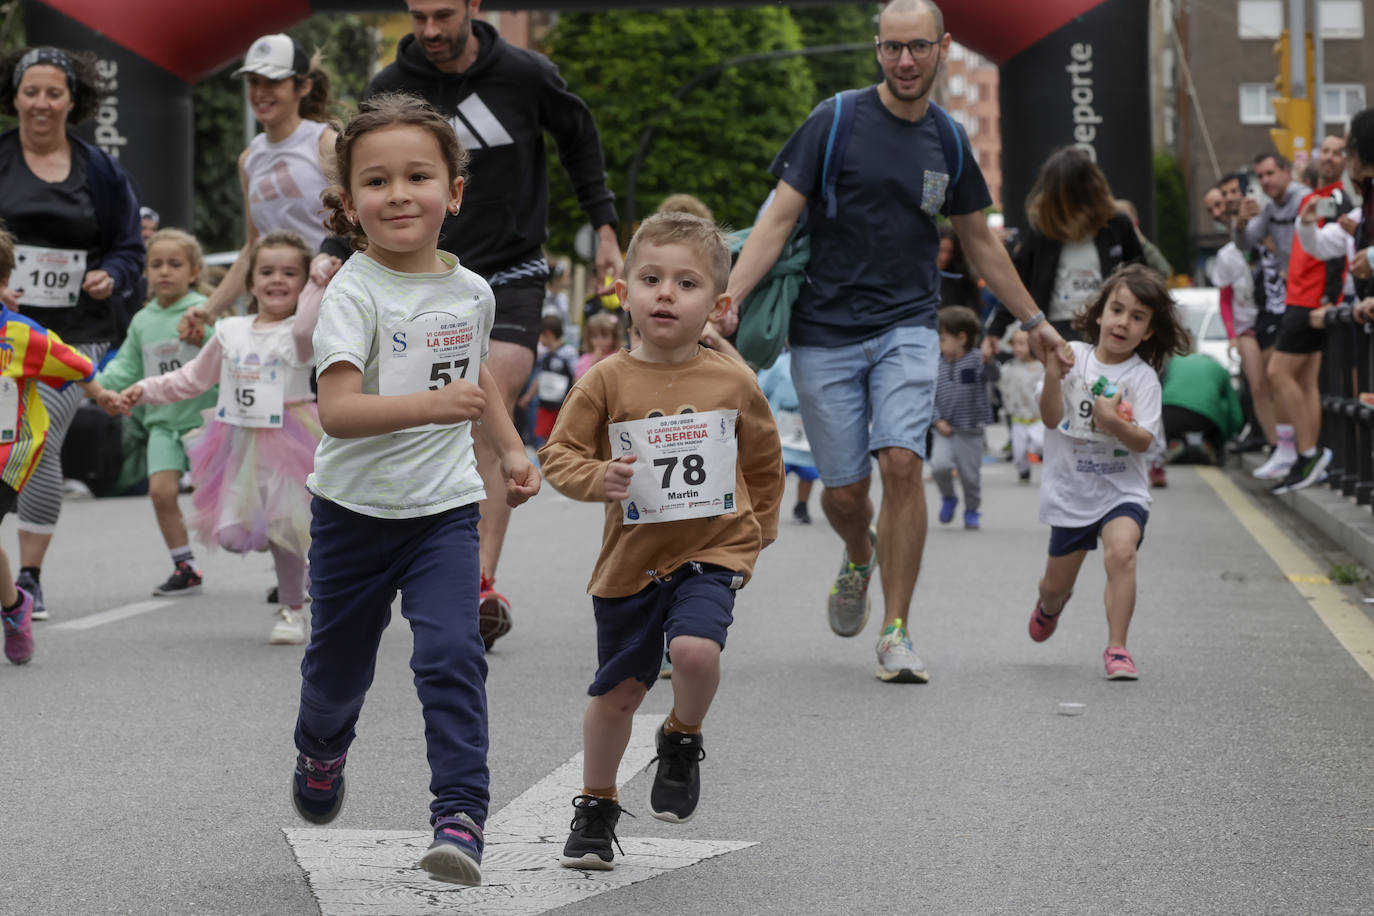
[402,336]
[250,464]
[175,262]
[1095,481]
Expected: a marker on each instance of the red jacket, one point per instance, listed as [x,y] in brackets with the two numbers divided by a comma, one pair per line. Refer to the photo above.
[1307,275]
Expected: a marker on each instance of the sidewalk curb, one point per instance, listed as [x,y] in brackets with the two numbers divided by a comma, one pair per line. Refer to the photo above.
[1335,515]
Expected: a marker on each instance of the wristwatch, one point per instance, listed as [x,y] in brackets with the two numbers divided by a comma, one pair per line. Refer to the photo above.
[1033,321]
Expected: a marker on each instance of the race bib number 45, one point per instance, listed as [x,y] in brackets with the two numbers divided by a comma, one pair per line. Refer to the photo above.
[684,468]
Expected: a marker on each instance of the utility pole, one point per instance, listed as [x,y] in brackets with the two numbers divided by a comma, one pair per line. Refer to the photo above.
[1293,106]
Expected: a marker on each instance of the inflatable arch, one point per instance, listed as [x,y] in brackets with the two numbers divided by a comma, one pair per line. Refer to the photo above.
[1073,72]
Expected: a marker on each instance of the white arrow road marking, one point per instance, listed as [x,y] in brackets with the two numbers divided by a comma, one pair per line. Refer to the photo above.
[374,872]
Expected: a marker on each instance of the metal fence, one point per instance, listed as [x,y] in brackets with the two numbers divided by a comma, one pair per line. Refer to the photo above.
[1348,404]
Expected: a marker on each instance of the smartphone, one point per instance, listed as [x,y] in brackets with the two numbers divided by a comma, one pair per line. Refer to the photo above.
[1256,193]
[1326,208]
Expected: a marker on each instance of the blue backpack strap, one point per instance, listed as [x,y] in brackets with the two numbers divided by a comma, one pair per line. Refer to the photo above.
[841,126]
[952,145]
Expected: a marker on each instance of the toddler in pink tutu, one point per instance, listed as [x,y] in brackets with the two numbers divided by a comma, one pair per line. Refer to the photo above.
[250,461]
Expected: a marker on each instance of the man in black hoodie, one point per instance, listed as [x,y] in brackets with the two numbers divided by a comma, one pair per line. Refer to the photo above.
[500,100]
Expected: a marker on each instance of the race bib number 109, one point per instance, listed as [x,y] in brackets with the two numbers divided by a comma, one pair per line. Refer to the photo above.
[684,467]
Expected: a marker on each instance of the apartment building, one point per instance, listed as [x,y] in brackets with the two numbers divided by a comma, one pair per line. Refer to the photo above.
[969,92]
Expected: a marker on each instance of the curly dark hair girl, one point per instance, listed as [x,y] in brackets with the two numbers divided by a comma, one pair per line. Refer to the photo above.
[87,86]
[1169,337]
[387,109]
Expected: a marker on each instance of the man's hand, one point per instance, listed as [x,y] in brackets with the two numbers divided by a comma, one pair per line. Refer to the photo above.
[522,479]
[323,267]
[1348,224]
[618,474]
[1308,214]
[1045,340]
[1317,317]
[1364,310]
[191,327]
[610,265]
[943,428]
[990,345]
[456,402]
[1359,267]
[98,284]
[1249,208]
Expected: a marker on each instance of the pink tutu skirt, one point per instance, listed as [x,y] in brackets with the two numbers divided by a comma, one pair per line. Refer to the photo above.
[250,483]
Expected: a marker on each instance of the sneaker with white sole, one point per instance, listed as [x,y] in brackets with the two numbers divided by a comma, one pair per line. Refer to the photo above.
[455,856]
[898,663]
[592,833]
[1304,473]
[1119,664]
[289,629]
[184,580]
[848,604]
[1276,468]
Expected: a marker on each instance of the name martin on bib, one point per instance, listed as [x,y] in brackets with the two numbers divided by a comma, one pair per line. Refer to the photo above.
[684,467]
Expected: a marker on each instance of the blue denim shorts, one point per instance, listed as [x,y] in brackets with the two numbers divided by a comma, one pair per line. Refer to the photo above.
[696,600]
[862,397]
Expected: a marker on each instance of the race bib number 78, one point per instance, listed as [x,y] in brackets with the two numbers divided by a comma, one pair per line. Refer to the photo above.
[684,467]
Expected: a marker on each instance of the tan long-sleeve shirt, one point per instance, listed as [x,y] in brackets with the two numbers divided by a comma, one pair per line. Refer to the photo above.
[622,388]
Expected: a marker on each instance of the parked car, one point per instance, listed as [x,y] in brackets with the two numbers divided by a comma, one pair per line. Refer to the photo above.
[1200,309]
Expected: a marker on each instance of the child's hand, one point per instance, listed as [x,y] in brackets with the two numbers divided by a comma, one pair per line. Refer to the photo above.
[111,403]
[618,474]
[1054,365]
[943,428]
[130,397]
[1107,412]
[191,327]
[522,478]
[458,401]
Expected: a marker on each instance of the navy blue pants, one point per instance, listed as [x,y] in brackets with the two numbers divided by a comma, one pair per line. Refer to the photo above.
[357,563]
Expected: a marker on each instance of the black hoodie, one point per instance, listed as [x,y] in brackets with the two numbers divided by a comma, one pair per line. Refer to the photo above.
[500,108]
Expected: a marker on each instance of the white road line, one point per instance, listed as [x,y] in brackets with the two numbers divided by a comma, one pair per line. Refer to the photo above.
[370,872]
[113,615]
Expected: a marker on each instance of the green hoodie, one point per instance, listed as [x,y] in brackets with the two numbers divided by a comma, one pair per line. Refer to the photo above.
[155,325]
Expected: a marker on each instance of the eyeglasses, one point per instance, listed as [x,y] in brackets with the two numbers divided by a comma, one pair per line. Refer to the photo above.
[919,48]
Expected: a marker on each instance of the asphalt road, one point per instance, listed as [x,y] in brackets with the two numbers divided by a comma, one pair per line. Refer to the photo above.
[146,759]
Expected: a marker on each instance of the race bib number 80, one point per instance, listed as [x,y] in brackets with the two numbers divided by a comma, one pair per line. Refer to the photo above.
[685,466]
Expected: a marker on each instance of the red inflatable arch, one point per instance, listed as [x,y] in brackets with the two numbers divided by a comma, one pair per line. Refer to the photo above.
[1073,72]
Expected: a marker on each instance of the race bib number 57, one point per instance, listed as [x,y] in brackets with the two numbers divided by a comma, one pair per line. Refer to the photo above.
[428,352]
[685,466]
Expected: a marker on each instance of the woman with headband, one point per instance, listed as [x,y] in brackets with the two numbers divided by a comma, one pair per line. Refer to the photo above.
[80,252]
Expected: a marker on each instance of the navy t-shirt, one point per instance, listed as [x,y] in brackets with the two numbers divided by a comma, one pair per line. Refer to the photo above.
[873,266]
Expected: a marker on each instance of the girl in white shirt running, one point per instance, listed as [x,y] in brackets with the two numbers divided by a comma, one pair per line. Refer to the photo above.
[251,459]
[1095,482]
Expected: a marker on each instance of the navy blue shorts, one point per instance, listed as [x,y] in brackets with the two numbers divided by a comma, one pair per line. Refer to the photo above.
[803,472]
[696,600]
[1064,541]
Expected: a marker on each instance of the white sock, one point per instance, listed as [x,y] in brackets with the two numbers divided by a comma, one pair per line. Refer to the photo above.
[1287,447]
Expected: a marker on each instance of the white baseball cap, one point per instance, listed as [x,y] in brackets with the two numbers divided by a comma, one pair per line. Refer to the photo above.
[275,57]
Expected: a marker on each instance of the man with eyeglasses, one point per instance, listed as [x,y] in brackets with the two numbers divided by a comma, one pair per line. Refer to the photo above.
[864,345]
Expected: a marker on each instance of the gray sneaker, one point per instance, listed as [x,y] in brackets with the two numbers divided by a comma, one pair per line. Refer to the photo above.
[898,663]
[848,603]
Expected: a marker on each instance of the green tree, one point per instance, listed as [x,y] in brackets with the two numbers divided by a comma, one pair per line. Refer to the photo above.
[716,142]
[350,48]
[833,25]
[1173,228]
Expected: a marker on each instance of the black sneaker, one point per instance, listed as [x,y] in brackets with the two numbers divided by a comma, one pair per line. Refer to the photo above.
[1304,473]
[317,788]
[455,855]
[802,513]
[677,781]
[272,596]
[28,583]
[1023,476]
[183,581]
[593,832]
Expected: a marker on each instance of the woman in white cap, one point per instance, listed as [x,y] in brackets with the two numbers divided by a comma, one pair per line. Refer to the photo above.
[282,171]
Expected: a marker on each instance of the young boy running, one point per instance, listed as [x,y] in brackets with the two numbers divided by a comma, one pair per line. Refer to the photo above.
[679,442]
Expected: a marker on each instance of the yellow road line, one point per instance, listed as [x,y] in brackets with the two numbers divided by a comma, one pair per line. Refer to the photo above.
[1348,623]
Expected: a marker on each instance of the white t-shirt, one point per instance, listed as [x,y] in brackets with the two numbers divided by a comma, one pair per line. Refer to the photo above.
[1076,279]
[284,183]
[1087,473]
[1229,268]
[245,341]
[363,320]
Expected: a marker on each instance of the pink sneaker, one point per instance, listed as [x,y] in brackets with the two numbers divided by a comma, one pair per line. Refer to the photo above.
[19,630]
[493,615]
[1120,665]
[1041,624]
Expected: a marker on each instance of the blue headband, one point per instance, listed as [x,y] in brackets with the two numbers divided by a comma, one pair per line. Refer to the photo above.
[53,57]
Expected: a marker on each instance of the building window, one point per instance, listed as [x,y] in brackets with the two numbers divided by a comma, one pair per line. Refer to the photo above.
[1256,103]
[960,117]
[1259,18]
[1341,102]
[958,84]
[1341,18]
[956,51]
[984,125]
